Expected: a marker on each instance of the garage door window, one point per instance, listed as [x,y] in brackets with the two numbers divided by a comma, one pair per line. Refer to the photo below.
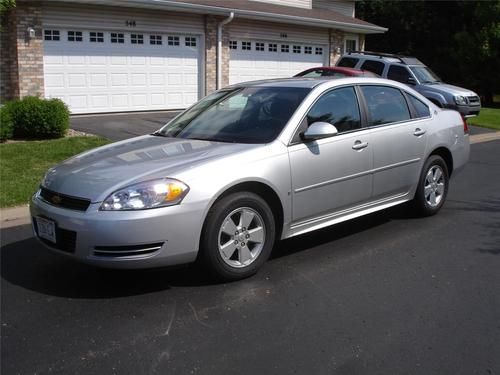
[285,48]
[297,49]
[319,51]
[117,38]
[273,47]
[259,46]
[155,40]
[173,41]
[51,35]
[233,44]
[137,39]
[96,37]
[75,36]
[246,46]
[190,41]
[308,50]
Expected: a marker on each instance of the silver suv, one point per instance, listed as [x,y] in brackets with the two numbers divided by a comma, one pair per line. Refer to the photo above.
[416,74]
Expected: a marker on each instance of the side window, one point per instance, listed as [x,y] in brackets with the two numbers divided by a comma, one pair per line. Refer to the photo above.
[348,62]
[313,73]
[338,107]
[376,67]
[420,107]
[385,104]
[398,73]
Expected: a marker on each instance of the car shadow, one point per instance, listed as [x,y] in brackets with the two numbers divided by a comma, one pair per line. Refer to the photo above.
[28,264]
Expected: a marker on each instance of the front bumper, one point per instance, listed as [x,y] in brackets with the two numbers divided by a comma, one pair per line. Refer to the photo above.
[123,239]
[467,109]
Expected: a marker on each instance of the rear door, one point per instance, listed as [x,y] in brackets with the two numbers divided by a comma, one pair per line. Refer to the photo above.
[399,137]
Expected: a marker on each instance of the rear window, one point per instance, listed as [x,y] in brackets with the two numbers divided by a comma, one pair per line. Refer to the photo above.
[385,105]
[348,62]
[420,107]
[376,67]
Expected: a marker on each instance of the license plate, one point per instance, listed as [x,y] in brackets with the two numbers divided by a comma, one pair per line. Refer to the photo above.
[46,229]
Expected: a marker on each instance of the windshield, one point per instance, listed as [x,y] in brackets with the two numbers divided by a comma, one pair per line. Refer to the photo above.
[424,74]
[240,115]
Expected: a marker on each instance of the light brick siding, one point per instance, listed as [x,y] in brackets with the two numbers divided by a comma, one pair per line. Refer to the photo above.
[336,45]
[9,87]
[22,56]
[211,23]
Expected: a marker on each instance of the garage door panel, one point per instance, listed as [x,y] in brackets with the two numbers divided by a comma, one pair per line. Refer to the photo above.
[271,62]
[106,77]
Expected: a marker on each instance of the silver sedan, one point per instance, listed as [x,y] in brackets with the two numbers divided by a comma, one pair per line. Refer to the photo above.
[249,165]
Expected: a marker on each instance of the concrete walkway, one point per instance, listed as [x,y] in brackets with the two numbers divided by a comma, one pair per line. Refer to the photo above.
[14,216]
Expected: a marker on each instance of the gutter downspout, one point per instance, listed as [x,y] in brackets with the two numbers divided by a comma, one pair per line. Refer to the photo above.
[219,48]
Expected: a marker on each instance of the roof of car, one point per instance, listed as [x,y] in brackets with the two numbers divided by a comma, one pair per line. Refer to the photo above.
[305,82]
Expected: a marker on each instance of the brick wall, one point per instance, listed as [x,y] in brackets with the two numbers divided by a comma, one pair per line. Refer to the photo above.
[22,57]
[9,87]
[336,45]
[211,23]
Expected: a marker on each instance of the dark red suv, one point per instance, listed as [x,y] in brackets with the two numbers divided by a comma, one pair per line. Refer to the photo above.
[335,71]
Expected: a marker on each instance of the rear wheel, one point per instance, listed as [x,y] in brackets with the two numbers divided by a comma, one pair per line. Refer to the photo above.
[432,187]
[238,236]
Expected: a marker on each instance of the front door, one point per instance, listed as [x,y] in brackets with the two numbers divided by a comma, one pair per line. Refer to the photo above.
[332,174]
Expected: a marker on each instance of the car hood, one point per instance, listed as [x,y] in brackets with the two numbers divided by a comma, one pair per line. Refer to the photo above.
[445,88]
[97,173]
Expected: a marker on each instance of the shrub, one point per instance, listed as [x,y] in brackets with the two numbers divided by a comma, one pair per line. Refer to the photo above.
[36,118]
[6,125]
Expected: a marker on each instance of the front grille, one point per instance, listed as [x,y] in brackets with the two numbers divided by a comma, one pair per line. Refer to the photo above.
[473,99]
[64,201]
[66,239]
[127,251]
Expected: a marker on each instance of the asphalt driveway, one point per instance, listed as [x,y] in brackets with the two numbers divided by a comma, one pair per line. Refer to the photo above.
[121,126]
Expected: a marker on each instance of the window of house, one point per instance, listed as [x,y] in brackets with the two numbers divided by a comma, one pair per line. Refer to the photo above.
[155,40]
[96,37]
[75,36]
[117,38]
[350,45]
[297,49]
[285,48]
[338,107]
[259,46]
[233,44]
[51,34]
[190,41]
[246,46]
[420,107]
[385,105]
[136,38]
[398,73]
[376,67]
[319,51]
[273,47]
[308,50]
[348,62]
[173,40]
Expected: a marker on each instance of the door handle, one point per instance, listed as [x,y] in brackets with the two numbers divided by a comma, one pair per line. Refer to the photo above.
[418,132]
[358,145]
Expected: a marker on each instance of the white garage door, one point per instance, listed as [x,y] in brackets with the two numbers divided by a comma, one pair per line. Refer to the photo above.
[102,71]
[251,60]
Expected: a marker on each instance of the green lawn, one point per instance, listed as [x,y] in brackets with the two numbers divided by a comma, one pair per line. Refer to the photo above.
[23,164]
[488,118]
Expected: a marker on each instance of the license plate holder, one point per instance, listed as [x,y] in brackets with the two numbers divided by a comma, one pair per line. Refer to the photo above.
[46,229]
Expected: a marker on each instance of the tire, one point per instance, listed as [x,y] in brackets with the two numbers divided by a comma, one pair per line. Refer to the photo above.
[237,237]
[432,187]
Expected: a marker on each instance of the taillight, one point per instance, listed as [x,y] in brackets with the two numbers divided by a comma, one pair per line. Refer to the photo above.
[466,127]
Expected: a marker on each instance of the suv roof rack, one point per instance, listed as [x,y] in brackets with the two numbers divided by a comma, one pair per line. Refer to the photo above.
[403,59]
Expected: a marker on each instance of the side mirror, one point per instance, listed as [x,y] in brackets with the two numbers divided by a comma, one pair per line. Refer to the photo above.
[411,81]
[319,130]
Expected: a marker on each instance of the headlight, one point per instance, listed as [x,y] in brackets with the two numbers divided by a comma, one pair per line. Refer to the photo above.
[460,100]
[148,194]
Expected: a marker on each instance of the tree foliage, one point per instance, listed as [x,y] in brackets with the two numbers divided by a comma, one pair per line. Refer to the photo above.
[6,5]
[459,40]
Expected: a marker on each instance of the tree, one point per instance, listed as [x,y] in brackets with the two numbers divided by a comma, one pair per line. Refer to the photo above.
[460,40]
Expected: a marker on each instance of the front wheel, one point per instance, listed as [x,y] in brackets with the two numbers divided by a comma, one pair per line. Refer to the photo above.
[238,236]
[432,187]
